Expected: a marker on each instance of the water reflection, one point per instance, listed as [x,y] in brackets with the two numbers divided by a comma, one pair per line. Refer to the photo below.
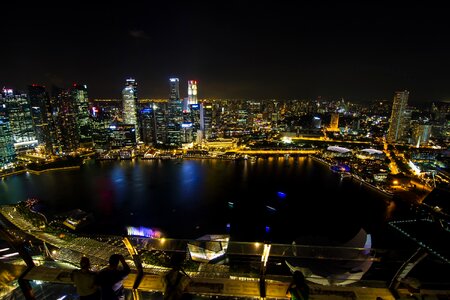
[191,198]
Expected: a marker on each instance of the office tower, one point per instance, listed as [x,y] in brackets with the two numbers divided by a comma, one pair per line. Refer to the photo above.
[147,125]
[41,115]
[7,153]
[17,110]
[130,107]
[316,122]
[79,95]
[160,119]
[174,114]
[67,137]
[122,135]
[192,92]
[334,123]
[195,121]
[206,120]
[421,134]
[398,123]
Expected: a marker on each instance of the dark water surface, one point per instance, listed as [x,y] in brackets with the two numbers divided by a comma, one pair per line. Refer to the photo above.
[272,199]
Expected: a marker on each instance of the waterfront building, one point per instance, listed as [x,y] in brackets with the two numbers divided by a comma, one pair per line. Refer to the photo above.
[17,109]
[195,120]
[79,95]
[130,107]
[7,153]
[399,121]
[160,123]
[41,115]
[67,137]
[147,125]
[206,120]
[192,93]
[122,135]
[174,114]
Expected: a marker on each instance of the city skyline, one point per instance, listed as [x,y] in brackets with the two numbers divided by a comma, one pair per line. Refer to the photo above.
[359,52]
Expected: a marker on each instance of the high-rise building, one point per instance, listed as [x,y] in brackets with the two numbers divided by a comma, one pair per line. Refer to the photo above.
[7,153]
[334,122]
[174,114]
[398,123]
[122,135]
[206,120]
[130,105]
[160,119]
[192,92]
[41,115]
[65,119]
[79,95]
[18,111]
[195,121]
[147,125]
[421,134]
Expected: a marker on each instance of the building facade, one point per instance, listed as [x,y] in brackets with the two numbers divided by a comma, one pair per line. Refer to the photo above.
[398,123]
[41,115]
[7,153]
[174,114]
[18,111]
[130,105]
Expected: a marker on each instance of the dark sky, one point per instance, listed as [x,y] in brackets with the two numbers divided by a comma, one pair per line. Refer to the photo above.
[358,50]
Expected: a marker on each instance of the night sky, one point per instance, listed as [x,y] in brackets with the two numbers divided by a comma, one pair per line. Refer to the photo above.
[359,51]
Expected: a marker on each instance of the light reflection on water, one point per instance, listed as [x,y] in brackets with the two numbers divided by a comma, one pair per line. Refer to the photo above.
[190,198]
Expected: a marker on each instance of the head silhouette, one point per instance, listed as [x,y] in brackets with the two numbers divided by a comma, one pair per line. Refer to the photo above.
[114,260]
[85,263]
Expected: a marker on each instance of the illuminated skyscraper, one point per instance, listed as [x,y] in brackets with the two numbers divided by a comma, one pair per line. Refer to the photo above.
[79,95]
[130,111]
[195,121]
[160,119]
[192,92]
[398,123]
[65,119]
[147,125]
[421,134]
[206,120]
[41,115]
[7,153]
[18,111]
[334,123]
[175,114]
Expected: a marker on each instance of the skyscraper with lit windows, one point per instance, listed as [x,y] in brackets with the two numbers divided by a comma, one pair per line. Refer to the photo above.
[78,93]
[67,137]
[130,111]
[174,114]
[206,119]
[398,123]
[7,153]
[160,123]
[41,115]
[18,111]
[192,92]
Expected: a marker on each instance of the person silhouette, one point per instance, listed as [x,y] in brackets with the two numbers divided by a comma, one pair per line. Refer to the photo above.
[111,278]
[85,281]
[298,289]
